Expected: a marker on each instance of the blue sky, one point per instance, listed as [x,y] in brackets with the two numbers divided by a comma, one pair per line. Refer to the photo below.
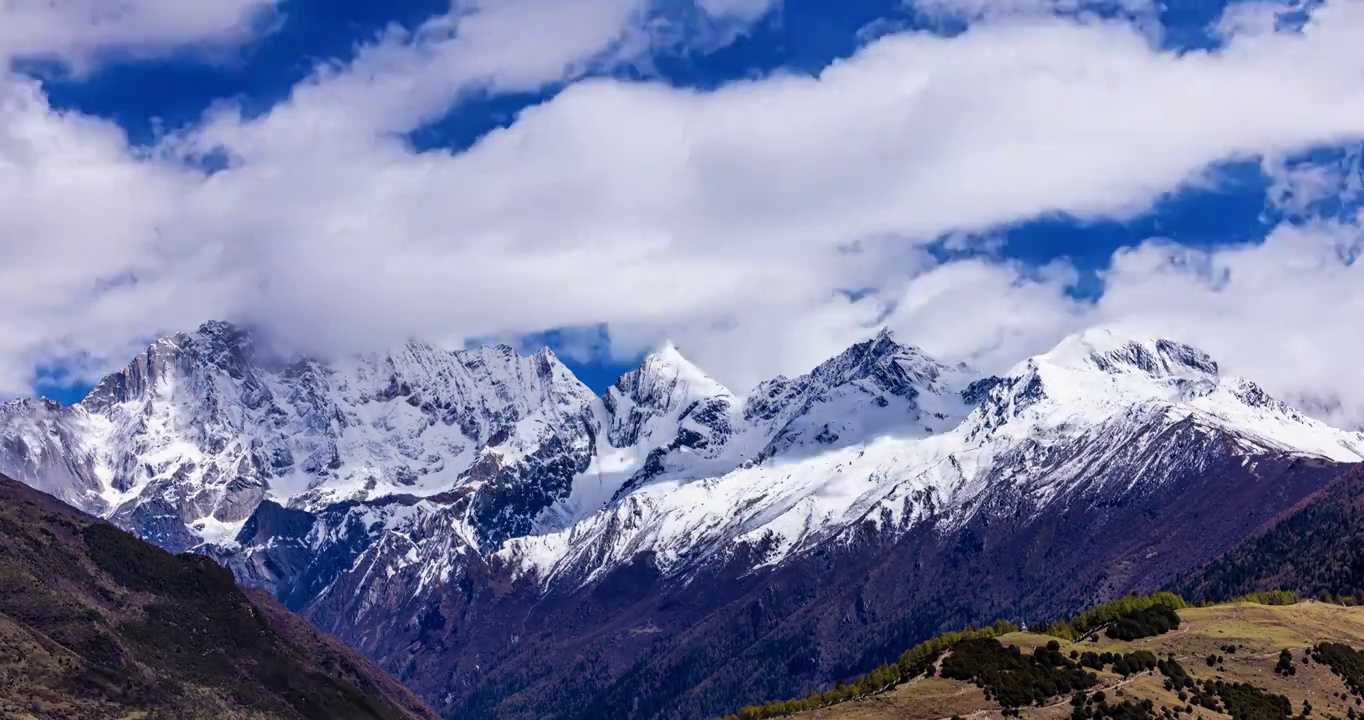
[244,97]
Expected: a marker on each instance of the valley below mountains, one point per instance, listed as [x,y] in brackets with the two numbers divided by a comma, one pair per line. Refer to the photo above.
[509,544]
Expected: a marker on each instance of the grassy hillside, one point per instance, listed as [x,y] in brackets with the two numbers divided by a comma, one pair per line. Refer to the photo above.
[1245,641]
[95,623]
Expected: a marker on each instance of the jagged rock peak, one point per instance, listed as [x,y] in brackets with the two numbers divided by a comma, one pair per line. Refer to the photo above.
[1114,353]
[666,370]
[658,397]
[221,331]
[223,345]
[898,367]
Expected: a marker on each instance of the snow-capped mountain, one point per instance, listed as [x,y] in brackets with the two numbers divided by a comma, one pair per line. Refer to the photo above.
[1051,423]
[435,507]
[183,444]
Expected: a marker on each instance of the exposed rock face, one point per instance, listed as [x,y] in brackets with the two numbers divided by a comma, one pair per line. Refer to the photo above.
[512,546]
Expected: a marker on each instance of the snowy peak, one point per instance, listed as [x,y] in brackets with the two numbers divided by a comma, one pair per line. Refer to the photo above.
[1101,379]
[667,403]
[1098,370]
[1108,352]
[666,378]
[887,365]
[201,427]
[876,387]
[215,347]
[883,433]
[482,390]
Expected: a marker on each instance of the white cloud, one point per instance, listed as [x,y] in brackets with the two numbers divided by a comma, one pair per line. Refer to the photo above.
[1261,17]
[72,31]
[1285,312]
[484,46]
[77,209]
[745,10]
[976,9]
[728,220]
[1302,187]
[683,207]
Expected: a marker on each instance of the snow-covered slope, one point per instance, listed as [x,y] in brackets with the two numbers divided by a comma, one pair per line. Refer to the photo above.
[184,444]
[520,462]
[1095,410]
[438,508]
[52,448]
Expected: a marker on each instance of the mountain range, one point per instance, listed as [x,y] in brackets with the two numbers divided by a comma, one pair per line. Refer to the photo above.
[510,544]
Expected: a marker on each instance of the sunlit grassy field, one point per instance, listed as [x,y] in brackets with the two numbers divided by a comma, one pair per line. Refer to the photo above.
[1257,632]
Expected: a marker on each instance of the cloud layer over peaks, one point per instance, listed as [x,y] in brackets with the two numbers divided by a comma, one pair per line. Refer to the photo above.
[763,224]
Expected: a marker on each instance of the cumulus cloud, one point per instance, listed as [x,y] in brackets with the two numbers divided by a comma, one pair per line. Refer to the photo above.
[79,213]
[977,9]
[1284,312]
[688,208]
[1326,183]
[763,225]
[71,31]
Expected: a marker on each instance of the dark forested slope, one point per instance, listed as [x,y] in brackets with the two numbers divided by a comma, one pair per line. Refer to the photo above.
[96,623]
[1317,549]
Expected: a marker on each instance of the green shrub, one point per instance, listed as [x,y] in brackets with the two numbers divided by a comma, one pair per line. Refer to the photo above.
[1273,597]
[1146,622]
[1108,613]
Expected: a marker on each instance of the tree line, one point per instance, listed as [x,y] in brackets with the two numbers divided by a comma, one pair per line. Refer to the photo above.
[1008,676]
[917,661]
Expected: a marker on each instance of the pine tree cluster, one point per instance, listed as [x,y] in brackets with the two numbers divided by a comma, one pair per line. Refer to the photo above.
[1012,678]
[918,661]
[1137,610]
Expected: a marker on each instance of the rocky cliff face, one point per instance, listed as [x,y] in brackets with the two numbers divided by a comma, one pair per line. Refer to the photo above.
[497,535]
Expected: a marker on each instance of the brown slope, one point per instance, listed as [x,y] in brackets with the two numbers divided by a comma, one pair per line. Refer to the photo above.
[1317,549]
[1258,632]
[95,623]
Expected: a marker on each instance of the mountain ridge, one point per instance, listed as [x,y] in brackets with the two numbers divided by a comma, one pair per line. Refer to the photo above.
[431,506]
